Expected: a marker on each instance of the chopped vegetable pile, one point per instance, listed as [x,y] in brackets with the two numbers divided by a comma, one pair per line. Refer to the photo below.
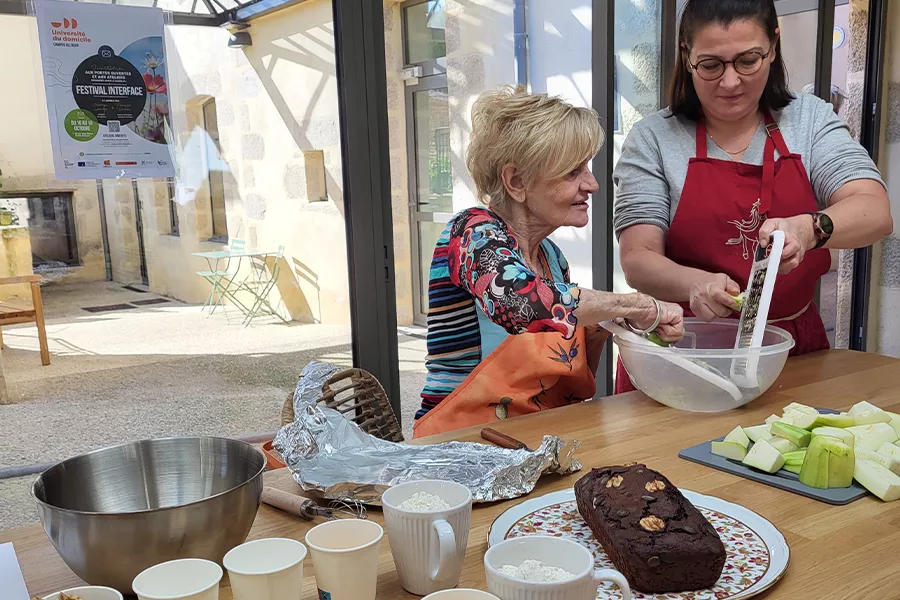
[825,450]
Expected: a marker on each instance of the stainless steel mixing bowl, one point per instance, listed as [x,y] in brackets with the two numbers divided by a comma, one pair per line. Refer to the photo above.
[114,512]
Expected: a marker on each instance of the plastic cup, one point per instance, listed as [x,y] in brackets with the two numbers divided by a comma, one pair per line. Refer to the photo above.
[184,579]
[267,569]
[345,558]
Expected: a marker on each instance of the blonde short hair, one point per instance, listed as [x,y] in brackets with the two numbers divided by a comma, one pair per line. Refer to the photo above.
[543,136]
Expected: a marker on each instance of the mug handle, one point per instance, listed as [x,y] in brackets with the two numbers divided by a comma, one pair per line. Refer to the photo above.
[615,577]
[446,548]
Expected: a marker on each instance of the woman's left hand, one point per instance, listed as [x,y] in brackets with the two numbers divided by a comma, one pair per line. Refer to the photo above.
[799,238]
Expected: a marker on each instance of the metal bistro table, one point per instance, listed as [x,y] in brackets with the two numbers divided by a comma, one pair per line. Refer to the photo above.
[837,552]
[223,281]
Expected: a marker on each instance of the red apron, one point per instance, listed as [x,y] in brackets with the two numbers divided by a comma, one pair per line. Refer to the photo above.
[719,234]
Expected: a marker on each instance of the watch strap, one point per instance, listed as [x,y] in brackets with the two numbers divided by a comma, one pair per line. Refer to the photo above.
[823,234]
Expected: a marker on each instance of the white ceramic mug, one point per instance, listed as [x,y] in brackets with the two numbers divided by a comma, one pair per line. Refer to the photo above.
[267,569]
[429,548]
[345,557]
[183,579]
[461,594]
[551,551]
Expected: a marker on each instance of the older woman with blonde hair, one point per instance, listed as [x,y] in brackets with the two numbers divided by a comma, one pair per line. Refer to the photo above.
[508,332]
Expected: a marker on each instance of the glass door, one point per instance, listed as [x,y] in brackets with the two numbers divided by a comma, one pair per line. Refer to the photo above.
[431,183]
[427,138]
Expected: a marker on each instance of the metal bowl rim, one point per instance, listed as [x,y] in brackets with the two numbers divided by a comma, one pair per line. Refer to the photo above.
[147,510]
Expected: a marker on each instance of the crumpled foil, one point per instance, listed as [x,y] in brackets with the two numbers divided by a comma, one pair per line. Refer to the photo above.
[331,456]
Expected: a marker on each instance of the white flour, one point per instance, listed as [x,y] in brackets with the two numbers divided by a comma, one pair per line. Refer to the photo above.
[535,570]
[424,502]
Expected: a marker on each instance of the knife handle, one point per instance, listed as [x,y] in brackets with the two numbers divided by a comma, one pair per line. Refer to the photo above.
[501,439]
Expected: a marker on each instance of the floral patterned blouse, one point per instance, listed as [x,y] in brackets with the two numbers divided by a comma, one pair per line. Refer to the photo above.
[480,291]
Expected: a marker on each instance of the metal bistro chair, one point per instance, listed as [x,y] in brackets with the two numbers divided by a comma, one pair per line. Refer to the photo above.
[260,284]
[356,394]
[217,277]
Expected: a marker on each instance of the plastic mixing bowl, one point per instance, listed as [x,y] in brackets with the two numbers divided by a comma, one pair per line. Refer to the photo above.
[711,346]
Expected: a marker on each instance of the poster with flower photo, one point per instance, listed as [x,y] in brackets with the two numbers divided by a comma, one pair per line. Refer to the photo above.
[107,90]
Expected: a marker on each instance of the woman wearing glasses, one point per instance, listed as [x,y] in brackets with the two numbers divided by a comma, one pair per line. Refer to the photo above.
[735,157]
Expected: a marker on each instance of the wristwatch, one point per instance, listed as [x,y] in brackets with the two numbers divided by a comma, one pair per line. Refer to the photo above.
[823,228]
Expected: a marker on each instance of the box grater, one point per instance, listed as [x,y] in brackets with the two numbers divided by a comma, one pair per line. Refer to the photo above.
[755,311]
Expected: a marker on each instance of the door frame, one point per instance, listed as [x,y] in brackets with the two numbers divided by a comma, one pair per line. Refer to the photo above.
[434,82]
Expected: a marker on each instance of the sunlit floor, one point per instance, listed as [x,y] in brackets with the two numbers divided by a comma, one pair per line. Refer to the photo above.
[157,370]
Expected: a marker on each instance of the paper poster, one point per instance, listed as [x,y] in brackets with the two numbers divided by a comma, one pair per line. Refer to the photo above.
[107,91]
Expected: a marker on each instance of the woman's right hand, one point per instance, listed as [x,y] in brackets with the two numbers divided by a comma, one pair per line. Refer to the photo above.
[714,297]
[671,319]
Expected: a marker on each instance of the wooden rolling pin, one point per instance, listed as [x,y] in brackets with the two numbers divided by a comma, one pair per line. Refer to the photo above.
[290,503]
[503,440]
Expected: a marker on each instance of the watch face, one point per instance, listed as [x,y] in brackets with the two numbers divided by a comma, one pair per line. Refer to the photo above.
[826,224]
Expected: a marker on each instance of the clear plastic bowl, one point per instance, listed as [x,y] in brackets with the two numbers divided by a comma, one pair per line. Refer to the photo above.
[708,344]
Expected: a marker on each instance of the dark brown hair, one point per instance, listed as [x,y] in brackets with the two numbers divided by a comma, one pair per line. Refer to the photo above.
[698,14]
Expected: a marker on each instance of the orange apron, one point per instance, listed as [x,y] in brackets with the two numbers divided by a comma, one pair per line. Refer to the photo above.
[526,373]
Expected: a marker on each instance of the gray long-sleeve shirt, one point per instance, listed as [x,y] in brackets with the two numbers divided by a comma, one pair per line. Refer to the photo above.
[650,174]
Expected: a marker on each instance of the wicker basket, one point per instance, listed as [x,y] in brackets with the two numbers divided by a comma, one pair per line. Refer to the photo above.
[357,395]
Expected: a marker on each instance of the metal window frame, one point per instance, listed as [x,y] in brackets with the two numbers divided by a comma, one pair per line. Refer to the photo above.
[668,48]
[603,90]
[420,317]
[824,54]
[790,7]
[68,201]
[824,50]
[365,155]
[870,139]
[616,119]
[431,67]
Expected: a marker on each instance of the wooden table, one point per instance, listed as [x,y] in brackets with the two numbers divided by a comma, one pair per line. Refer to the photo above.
[836,552]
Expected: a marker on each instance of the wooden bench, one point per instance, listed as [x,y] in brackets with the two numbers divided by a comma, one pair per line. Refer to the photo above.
[12,313]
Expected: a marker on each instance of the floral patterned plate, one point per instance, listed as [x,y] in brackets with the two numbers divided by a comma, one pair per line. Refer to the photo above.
[758,554]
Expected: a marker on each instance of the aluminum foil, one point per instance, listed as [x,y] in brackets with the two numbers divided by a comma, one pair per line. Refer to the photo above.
[331,456]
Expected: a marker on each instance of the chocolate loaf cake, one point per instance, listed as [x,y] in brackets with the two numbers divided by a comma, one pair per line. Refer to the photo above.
[651,532]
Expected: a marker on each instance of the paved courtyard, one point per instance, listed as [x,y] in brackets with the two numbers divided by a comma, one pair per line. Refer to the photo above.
[154,370]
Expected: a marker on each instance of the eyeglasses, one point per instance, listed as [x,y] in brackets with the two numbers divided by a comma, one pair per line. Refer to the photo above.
[745,63]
